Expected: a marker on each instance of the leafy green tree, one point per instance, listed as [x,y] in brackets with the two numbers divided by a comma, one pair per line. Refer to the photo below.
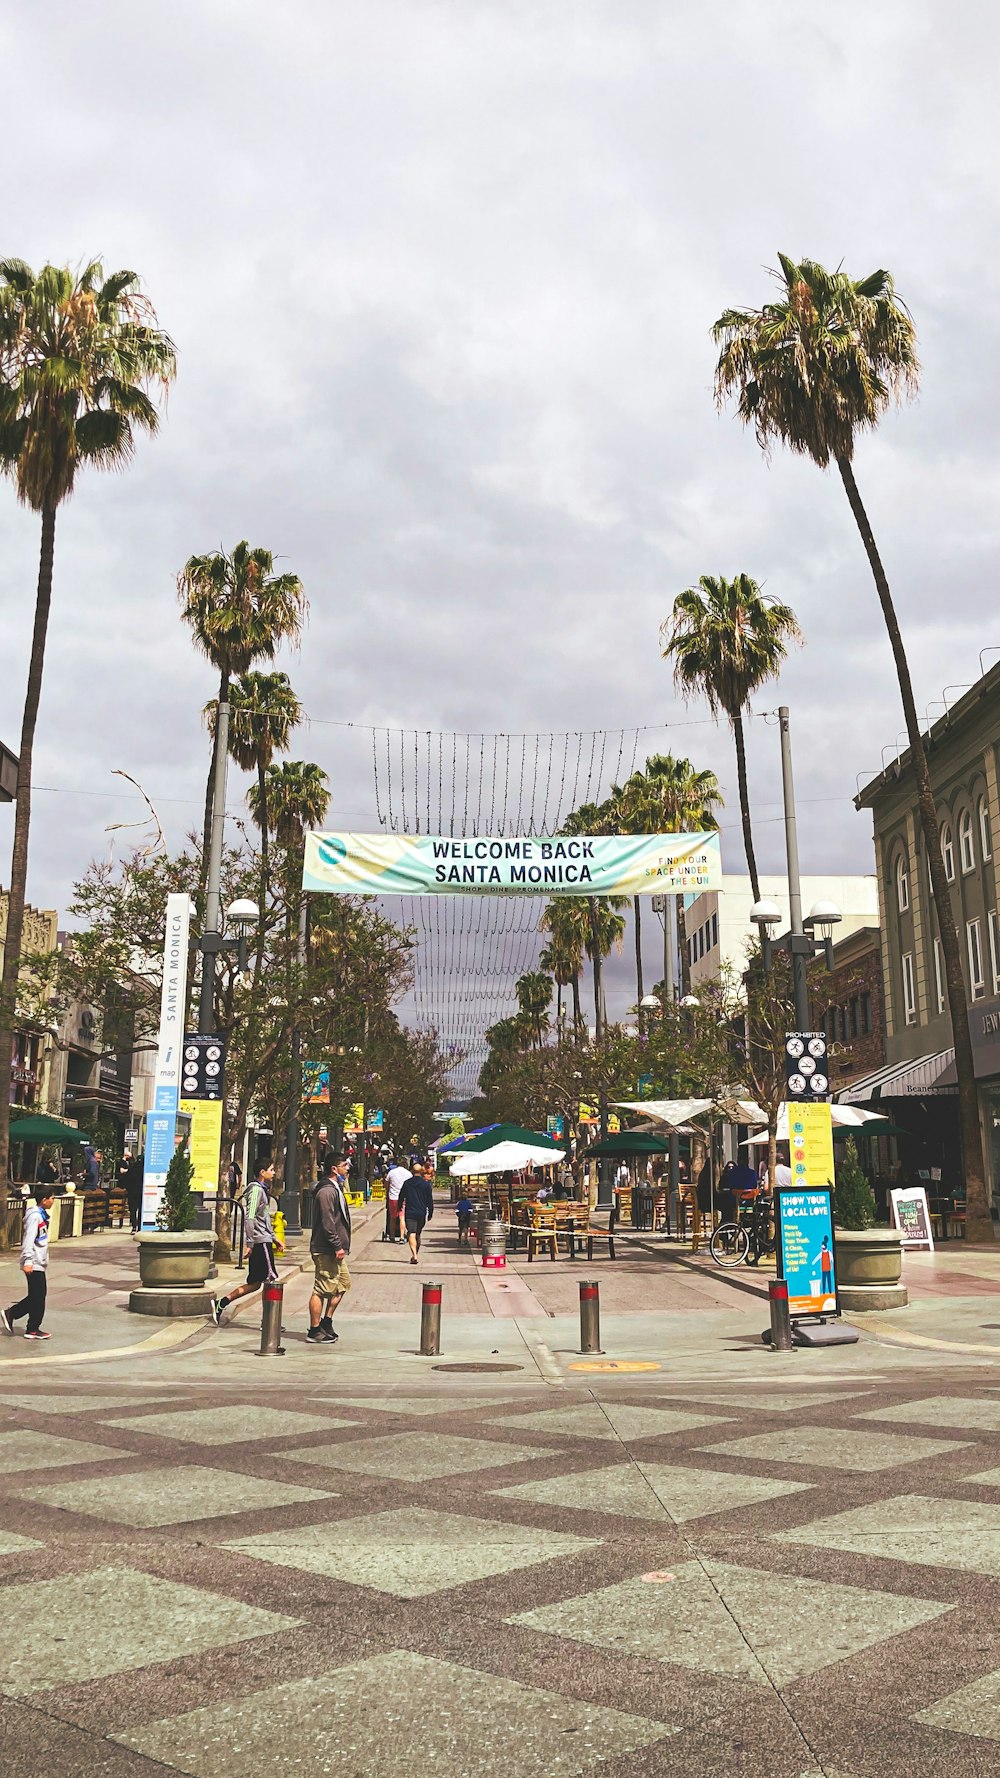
[79,355]
[727,639]
[853,1198]
[815,369]
[178,1206]
[239,612]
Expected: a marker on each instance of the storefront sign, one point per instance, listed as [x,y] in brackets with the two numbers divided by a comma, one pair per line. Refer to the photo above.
[810,1136]
[420,864]
[806,1250]
[161,1122]
[205,1145]
[911,1214]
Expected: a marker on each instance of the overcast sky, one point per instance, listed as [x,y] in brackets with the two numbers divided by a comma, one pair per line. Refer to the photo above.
[441,278]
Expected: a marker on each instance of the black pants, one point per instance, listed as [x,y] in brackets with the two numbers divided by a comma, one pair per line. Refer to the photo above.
[32,1305]
[135,1209]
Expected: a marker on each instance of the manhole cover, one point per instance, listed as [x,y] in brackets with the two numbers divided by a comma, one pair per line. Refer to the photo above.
[477,1367]
[618,1364]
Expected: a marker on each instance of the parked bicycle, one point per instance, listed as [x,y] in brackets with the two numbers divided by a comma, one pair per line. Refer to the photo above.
[748,1239]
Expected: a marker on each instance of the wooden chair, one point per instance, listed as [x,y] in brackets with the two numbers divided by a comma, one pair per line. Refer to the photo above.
[608,1235]
[541,1231]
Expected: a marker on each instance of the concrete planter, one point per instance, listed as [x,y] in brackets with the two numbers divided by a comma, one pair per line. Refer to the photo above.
[175,1262]
[869,1268]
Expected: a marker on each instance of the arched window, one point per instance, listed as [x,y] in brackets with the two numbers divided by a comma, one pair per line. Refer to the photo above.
[902,883]
[985,837]
[948,851]
[966,844]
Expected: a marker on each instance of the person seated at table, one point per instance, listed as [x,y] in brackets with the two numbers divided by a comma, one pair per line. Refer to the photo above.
[725,1197]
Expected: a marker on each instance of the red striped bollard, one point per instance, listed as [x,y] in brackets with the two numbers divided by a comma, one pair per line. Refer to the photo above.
[781,1327]
[270,1321]
[430,1321]
[590,1316]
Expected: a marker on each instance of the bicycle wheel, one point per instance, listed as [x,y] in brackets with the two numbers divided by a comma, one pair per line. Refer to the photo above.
[729,1244]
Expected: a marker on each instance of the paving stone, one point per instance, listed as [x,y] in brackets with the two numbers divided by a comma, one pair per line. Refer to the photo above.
[418,1404]
[973,1710]
[829,1447]
[780,1402]
[965,1413]
[229,1426]
[912,1528]
[171,1496]
[742,1633]
[12,1543]
[417,1456]
[87,1626]
[411,1554]
[43,1450]
[651,1491]
[392,1716]
[74,1403]
[612,1421]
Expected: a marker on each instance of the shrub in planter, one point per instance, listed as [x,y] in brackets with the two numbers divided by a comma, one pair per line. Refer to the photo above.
[179,1206]
[853,1198]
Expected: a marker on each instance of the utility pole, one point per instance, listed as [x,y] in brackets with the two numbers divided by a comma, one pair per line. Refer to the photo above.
[800,946]
[667,911]
[211,942]
[291,1202]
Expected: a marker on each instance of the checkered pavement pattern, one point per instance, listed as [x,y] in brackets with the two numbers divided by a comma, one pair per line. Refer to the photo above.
[538,1583]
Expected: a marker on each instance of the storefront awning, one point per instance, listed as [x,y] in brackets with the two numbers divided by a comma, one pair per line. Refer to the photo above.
[921,1079]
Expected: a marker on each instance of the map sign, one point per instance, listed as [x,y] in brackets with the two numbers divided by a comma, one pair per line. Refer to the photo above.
[911,1214]
[807,1255]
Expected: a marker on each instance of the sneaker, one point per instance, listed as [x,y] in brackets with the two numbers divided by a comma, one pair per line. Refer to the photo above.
[216,1310]
[38,1334]
[316,1336]
[326,1328]
[5,1322]
[413,1259]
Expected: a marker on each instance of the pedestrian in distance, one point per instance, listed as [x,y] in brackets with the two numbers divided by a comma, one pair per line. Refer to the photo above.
[329,1245]
[260,1239]
[133,1189]
[34,1265]
[395,1180]
[47,1173]
[416,1207]
[465,1210]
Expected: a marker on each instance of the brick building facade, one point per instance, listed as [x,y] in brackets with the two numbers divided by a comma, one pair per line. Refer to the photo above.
[847,1004]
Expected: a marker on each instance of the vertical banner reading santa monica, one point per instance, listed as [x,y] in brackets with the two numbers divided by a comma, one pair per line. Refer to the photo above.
[421,864]
[161,1121]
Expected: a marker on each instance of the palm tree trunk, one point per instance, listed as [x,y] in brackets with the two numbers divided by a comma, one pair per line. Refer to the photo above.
[682,946]
[979,1222]
[19,854]
[577,1011]
[264,862]
[206,832]
[637,905]
[559,1029]
[595,939]
[741,778]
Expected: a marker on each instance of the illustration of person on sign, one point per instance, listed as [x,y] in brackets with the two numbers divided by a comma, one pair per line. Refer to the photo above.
[826,1267]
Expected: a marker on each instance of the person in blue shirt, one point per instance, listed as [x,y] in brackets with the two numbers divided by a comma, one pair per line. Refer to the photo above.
[465,1210]
[416,1207]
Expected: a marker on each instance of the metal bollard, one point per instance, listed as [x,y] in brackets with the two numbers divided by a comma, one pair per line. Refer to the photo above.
[590,1316]
[781,1327]
[270,1321]
[430,1321]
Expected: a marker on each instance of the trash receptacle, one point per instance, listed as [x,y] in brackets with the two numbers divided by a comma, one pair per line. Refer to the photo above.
[642,1207]
[482,1218]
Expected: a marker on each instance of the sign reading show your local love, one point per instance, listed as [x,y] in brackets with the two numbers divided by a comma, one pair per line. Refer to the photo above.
[420,864]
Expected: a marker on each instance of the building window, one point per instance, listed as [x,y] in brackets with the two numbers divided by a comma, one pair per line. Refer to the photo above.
[939,974]
[909,989]
[994,951]
[902,884]
[854,1016]
[715,930]
[866,1015]
[977,982]
[985,837]
[948,851]
[966,845]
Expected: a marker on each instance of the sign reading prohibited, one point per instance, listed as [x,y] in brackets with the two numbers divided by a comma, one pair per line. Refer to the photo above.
[806,1069]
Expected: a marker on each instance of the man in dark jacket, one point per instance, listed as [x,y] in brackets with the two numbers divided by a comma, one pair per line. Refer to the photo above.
[329,1245]
[416,1207]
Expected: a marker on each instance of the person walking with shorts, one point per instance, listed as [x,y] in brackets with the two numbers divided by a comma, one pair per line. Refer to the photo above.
[260,1237]
[34,1265]
[329,1245]
[416,1207]
[395,1180]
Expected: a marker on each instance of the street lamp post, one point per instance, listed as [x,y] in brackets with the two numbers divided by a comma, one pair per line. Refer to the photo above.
[805,937]
[242,915]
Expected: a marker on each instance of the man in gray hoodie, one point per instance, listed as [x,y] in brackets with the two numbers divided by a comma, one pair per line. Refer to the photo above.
[260,1239]
[329,1245]
[34,1265]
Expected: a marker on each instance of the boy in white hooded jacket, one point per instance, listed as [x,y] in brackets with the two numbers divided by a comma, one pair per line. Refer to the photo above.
[34,1265]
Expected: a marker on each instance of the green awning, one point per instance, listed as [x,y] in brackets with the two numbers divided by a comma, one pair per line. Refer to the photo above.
[629,1142]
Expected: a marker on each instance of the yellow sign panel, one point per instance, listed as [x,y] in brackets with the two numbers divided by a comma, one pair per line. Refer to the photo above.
[354,1118]
[588,1114]
[810,1139]
[206,1141]
[614,1123]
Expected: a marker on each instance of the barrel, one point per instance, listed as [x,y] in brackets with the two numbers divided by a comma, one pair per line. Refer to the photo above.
[483,1218]
[494,1244]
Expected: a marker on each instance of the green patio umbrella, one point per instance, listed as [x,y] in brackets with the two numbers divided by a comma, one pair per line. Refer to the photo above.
[630,1142]
[498,1133]
[38,1128]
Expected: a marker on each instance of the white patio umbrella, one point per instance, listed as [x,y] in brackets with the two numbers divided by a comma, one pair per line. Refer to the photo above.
[843,1117]
[505,1157]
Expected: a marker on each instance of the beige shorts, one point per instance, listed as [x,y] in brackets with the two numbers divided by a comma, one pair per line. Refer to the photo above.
[332,1275]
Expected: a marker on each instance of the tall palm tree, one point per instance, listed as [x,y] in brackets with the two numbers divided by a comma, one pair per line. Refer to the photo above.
[567,921]
[534,997]
[295,796]
[605,927]
[815,369]
[727,639]
[79,355]
[669,796]
[264,710]
[239,611]
[557,959]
